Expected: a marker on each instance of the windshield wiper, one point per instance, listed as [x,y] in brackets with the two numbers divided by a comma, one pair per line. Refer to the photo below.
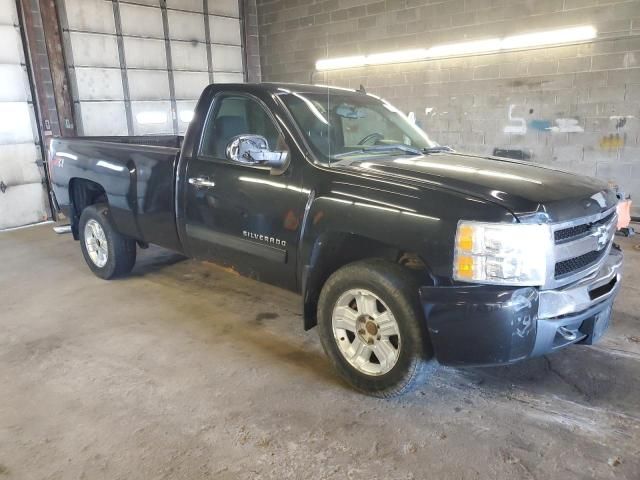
[382,148]
[438,149]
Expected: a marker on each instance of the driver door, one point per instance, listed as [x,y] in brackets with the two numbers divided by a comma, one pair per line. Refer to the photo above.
[238,214]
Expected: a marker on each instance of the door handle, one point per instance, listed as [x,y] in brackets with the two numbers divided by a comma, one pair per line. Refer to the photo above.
[201,182]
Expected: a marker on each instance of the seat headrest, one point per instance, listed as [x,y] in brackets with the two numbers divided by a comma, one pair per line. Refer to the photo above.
[226,127]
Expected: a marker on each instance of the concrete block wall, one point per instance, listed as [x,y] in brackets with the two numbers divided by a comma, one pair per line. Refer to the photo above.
[574,107]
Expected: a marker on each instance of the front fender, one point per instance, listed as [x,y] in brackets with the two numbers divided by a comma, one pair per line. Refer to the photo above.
[398,226]
[355,221]
[338,231]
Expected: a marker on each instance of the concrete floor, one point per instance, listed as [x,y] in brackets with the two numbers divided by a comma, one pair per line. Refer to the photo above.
[187,371]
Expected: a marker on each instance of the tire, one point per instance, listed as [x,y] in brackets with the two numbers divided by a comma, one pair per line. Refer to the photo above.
[119,255]
[397,292]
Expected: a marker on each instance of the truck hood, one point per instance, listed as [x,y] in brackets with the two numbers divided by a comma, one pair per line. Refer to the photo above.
[531,192]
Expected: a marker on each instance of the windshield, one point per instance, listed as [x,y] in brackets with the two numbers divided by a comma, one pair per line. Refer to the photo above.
[344,125]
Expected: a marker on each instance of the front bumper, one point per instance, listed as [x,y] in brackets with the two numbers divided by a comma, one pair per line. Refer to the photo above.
[487,325]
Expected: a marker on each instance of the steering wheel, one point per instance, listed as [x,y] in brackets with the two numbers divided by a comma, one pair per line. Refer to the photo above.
[375,136]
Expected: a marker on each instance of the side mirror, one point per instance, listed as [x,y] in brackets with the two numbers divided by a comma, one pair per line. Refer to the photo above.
[254,150]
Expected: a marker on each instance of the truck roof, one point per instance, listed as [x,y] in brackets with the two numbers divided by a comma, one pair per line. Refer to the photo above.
[279,87]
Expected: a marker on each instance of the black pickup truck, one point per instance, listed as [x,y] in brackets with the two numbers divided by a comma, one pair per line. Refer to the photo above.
[405,252]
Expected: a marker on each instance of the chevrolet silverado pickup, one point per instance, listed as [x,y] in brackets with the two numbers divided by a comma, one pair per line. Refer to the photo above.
[406,253]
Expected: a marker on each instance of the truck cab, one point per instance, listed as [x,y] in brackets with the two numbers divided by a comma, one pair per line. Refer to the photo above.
[406,253]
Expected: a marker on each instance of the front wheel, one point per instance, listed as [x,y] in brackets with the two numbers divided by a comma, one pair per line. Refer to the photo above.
[107,252]
[372,328]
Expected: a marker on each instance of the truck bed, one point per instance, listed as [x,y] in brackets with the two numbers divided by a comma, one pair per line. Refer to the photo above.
[136,173]
[171,141]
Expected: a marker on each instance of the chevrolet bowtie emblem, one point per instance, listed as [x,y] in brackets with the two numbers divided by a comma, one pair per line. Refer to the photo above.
[601,232]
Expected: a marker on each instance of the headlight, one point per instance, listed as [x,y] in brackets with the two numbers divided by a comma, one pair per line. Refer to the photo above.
[506,254]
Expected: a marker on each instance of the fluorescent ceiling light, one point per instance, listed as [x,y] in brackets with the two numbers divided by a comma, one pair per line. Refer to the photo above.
[465,48]
[514,42]
[344,62]
[397,57]
[552,37]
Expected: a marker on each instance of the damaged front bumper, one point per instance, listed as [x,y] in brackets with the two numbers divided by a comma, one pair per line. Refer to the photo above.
[487,325]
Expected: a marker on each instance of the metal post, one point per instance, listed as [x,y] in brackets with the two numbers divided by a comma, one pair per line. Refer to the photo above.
[123,66]
[207,38]
[242,10]
[172,85]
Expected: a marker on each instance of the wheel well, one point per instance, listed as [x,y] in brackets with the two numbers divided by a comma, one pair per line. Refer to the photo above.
[83,193]
[330,254]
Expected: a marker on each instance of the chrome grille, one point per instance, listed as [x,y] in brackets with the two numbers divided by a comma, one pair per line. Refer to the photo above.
[581,245]
[566,267]
[573,232]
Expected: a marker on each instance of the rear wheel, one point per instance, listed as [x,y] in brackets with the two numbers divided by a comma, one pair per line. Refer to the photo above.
[372,328]
[108,253]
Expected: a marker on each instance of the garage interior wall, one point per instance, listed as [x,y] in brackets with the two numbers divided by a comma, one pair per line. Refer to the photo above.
[138,67]
[23,198]
[574,107]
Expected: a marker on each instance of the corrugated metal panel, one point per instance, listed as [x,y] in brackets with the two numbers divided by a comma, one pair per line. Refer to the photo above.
[152,118]
[227,77]
[14,84]
[90,16]
[11,51]
[92,54]
[8,14]
[191,5]
[86,45]
[189,85]
[22,196]
[186,26]
[17,123]
[141,21]
[22,204]
[168,54]
[229,8]
[189,56]
[99,83]
[227,58]
[145,53]
[148,85]
[225,30]
[17,163]
[103,118]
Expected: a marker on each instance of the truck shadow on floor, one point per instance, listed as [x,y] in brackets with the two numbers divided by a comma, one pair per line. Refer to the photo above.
[262,330]
[154,259]
[582,374]
[287,355]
